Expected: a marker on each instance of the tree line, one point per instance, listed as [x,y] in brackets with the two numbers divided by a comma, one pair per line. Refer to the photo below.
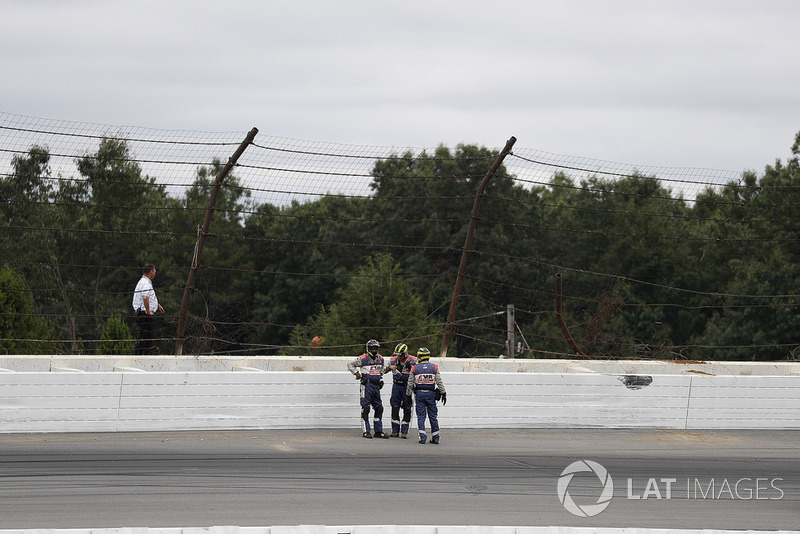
[646,272]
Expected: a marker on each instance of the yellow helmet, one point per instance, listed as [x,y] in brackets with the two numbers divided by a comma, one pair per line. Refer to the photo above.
[401,348]
[423,354]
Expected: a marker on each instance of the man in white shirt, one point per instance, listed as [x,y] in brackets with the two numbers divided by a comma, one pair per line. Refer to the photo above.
[145,305]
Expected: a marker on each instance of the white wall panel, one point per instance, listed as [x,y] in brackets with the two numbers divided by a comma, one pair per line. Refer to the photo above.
[177,401]
[330,400]
[527,400]
[59,402]
[131,401]
[739,402]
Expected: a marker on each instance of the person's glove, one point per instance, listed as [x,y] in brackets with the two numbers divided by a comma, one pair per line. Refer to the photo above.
[380,385]
[444,399]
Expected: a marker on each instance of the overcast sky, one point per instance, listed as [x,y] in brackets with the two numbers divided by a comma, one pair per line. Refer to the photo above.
[713,84]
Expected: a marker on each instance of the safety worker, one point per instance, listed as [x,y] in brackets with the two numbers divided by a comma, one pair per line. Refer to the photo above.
[427,385]
[372,368]
[400,365]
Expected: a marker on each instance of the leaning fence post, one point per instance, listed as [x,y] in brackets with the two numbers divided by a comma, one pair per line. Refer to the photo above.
[201,237]
[473,222]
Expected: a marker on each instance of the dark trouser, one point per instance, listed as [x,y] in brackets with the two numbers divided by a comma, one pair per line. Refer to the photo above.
[371,396]
[400,400]
[426,406]
[146,344]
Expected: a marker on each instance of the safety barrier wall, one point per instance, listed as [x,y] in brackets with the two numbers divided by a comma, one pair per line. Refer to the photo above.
[141,401]
[156,363]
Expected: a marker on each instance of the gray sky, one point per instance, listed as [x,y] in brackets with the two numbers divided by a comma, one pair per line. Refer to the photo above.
[713,84]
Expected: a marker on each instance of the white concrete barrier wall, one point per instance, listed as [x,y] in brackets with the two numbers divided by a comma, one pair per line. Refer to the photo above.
[744,402]
[59,402]
[137,401]
[209,363]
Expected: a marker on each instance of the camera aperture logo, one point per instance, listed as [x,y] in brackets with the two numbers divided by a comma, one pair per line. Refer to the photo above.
[586,510]
[713,489]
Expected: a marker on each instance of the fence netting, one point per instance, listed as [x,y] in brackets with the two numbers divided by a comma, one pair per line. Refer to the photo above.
[315,247]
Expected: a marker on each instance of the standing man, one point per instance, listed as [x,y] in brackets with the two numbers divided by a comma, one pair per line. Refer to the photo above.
[145,305]
[426,382]
[371,363]
[400,364]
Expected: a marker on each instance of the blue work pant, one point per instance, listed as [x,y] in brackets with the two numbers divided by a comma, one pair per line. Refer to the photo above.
[426,406]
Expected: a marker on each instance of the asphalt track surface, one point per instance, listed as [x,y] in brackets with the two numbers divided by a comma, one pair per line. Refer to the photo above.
[722,479]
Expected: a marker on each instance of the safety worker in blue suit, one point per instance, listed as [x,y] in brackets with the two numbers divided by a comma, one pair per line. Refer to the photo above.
[371,369]
[427,385]
[400,365]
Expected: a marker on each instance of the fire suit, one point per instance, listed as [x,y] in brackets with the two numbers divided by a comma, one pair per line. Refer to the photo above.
[399,398]
[424,380]
[371,370]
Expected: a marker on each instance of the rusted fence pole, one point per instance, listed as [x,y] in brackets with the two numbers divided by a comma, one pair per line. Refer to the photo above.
[201,237]
[473,222]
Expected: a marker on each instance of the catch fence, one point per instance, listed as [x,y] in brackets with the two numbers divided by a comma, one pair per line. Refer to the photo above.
[314,247]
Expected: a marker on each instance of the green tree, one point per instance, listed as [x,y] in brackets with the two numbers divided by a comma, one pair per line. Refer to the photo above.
[25,195]
[21,330]
[643,237]
[30,239]
[303,254]
[116,336]
[426,202]
[620,244]
[755,265]
[117,230]
[375,304]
